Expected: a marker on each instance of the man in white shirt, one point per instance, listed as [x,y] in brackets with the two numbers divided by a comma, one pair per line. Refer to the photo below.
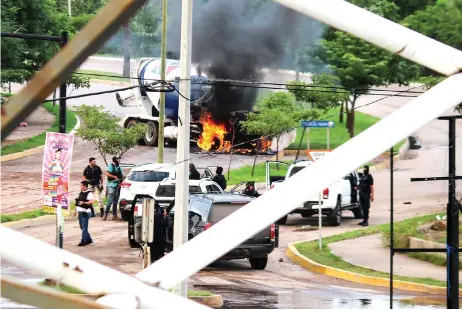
[83,205]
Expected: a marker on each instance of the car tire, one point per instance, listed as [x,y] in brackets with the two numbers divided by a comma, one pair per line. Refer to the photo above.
[258,263]
[335,216]
[150,136]
[282,220]
[358,212]
[132,123]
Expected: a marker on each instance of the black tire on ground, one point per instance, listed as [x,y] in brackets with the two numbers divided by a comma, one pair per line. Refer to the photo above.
[150,137]
[335,216]
[358,212]
[132,123]
[282,220]
[258,263]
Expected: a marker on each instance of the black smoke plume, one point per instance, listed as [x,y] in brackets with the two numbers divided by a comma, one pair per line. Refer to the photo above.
[234,39]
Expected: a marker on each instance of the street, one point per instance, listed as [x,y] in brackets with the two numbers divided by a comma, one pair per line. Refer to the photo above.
[283,284]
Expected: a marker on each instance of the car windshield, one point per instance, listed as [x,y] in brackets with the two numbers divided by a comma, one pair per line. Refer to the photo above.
[200,207]
[169,190]
[148,176]
[295,170]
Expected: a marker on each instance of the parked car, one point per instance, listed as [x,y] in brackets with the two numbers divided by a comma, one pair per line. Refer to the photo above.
[164,196]
[144,180]
[339,196]
[207,210]
[165,192]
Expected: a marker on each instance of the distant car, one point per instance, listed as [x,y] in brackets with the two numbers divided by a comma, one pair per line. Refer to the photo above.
[165,192]
[207,210]
[142,180]
[164,196]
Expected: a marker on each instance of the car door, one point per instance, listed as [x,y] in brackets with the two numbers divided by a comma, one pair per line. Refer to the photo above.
[346,189]
[238,188]
[275,171]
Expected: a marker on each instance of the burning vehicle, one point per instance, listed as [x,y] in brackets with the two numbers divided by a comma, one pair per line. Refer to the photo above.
[211,128]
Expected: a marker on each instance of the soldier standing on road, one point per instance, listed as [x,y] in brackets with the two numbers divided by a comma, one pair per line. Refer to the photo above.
[114,179]
[83,204]
[366,194]
[193,173]
[94,175]
[157,248]
[219,178]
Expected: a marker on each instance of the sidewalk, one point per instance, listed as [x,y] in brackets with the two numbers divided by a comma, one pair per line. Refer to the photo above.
[368,252]
[38,122]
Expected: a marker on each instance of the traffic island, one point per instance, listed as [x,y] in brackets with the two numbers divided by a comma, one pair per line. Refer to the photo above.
[325,261]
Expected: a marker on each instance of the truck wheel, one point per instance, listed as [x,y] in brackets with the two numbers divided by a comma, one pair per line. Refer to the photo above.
[358,212]
[258,263]
[282,220]
[150,137]
[133,123]
[335,216]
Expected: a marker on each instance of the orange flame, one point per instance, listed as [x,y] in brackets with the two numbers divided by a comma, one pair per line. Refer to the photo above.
[211,132]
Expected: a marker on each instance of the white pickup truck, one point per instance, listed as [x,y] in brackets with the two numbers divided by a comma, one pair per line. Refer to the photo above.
[339,196]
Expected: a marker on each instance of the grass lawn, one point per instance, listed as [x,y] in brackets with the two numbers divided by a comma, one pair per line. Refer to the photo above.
[244,173]
[338,134]
[326,257]
[4,218]
[71,121]
[94,75]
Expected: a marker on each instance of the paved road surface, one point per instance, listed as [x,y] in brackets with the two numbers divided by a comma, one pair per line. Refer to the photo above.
[282,285]
[425,198]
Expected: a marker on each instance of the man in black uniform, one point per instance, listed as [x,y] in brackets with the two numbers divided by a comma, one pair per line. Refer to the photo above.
[94,175]
[219,178]
[193,173]
[157,248]
[366,194]
[250,190]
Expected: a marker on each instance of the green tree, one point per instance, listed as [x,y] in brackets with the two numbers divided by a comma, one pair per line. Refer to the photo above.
[360,65]
[277,114]
[101,128]
[321,93]
[20,59]
[441,21]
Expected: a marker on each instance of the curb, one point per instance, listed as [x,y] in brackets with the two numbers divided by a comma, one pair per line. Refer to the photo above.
[46,219]
[34,150]
[214,301]
[310,265]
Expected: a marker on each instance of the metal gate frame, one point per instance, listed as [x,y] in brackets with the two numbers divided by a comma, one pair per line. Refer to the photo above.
[147,289]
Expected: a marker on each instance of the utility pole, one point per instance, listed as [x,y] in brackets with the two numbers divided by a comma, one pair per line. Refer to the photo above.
[452,259]
[182,189]
[163,55]
[69,7]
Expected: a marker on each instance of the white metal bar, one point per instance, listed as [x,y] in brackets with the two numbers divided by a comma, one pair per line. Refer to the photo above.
[381,32]
[320,220]
[180,229]
[81,273]
[268,208]
[43,297]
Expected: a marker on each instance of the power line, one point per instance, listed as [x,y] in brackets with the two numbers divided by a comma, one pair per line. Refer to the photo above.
[298,126]
[232,82]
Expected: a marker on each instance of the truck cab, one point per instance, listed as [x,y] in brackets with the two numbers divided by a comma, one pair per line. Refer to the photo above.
[332,201]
